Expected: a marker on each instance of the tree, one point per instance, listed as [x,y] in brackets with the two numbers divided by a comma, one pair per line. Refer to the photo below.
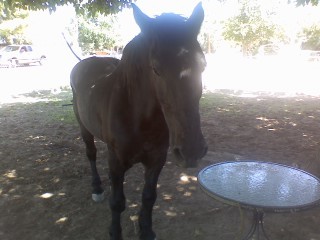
[249,29]
[97,33]
[311,37]
[210,33]
[91,6]
[304,2]
[12,25]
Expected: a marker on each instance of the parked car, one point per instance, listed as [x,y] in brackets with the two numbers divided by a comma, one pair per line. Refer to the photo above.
[310,55]
[107,53]
[15,55]
[269,50]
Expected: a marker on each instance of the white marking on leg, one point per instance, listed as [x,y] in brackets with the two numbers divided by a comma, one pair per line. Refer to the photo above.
[98,197]
[93,86]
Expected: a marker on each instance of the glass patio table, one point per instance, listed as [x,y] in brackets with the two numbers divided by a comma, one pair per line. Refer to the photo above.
[261,187]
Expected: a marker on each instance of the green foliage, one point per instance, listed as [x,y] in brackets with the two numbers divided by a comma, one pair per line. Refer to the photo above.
[81,6]
[9,14]
[12,26]
[209,34]
[311,36]
[305,2]
[14,36]
[96,33]
[58,102]
[92,6]
[249,29]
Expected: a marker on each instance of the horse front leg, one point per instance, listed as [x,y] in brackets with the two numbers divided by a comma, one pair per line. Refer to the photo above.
[149,196]
[117,197]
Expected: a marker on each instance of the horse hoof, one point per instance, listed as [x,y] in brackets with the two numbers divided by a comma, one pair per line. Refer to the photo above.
[98,197]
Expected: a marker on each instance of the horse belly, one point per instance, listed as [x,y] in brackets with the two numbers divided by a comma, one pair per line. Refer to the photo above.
[90,118]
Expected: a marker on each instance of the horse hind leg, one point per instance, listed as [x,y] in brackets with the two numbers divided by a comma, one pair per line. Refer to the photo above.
[91,152]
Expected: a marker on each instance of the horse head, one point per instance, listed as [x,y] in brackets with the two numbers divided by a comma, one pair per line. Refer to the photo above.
[177,62]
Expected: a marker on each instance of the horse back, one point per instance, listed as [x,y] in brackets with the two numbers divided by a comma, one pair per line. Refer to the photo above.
[87,71]
[88,79]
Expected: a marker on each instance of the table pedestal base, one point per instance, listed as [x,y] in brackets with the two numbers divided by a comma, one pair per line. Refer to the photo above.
[257,231]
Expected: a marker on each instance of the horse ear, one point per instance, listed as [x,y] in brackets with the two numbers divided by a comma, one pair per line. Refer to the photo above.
[196,18]
[141,19]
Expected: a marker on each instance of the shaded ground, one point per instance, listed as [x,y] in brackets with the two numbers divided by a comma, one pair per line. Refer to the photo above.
[45,178]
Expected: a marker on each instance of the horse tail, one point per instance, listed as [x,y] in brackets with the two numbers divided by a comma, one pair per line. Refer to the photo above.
[71,47]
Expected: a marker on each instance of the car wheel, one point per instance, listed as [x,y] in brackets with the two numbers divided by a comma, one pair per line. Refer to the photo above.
[42,60]
[13,63]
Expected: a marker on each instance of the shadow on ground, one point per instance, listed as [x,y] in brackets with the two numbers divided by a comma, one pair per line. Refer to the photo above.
[45,178]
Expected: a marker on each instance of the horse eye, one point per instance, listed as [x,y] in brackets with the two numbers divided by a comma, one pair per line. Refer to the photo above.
[183,52]
[155,66]
[203,66]
[155,71]
[201,61]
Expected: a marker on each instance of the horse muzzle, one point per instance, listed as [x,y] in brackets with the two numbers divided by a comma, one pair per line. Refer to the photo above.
[189,160]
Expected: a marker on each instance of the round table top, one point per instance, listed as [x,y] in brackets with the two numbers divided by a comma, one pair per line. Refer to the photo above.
[261,185]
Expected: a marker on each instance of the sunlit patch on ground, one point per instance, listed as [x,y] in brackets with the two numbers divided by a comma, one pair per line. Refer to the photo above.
[11,174]
[17,83]
[61,220]
[46,195]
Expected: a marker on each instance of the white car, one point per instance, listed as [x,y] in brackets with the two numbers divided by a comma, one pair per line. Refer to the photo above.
[15,55]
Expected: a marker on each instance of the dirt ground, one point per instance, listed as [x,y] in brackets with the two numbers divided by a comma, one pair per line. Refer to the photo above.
[45,191]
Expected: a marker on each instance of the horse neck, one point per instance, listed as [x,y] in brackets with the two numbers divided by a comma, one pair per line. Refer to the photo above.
[141,95]
[137,77]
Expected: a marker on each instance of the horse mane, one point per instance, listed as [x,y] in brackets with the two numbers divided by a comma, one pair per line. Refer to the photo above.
[134,65]
[135,57]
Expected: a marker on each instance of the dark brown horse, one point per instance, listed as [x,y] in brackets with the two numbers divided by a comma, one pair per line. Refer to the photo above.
[141,105]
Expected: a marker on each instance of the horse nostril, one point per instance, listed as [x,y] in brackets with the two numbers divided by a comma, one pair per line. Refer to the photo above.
[178,156]
[205,150]
[177,153]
